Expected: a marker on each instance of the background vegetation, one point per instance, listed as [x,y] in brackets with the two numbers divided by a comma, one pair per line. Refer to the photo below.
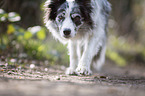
[24,37]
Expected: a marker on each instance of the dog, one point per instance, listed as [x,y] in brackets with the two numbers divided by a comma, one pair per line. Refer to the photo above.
[81,24]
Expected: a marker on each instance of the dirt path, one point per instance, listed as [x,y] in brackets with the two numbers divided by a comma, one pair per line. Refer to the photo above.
[113,81]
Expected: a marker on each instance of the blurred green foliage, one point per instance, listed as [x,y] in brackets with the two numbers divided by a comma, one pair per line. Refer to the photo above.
[11,17]
[33,40]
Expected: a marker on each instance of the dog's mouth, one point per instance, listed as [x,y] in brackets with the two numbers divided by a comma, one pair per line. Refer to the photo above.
[66,37]
[69,36]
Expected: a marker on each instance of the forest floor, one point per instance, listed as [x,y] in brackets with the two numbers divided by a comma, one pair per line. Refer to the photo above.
[51,81]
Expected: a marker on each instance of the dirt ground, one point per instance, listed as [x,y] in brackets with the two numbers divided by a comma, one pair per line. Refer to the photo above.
[51,81]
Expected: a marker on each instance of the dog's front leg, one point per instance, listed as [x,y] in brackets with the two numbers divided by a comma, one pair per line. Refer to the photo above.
[90,49]
[72,47]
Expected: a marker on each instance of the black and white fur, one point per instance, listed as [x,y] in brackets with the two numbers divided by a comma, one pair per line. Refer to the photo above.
[82,25]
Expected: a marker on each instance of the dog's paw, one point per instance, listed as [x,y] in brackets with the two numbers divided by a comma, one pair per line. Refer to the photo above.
[83,70]
[70,71]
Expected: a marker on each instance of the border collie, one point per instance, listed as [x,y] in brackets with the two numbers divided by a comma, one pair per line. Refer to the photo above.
[82,25]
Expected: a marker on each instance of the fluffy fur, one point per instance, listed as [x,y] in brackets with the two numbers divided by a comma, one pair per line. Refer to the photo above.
[82,25]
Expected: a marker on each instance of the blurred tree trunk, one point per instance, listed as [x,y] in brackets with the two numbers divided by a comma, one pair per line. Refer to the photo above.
[29,11]
[123,13]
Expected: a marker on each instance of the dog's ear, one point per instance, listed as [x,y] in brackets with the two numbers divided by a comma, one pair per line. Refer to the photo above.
[51,7]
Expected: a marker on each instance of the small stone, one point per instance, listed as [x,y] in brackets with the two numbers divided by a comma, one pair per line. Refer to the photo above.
[32,66]
[9,72]
[13,60]
[57,78]
[46,69]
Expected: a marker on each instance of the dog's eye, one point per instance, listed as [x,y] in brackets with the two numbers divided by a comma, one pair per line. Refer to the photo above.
[77,20]
[60,18]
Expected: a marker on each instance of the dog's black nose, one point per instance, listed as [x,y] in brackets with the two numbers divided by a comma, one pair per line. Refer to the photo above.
[67,32]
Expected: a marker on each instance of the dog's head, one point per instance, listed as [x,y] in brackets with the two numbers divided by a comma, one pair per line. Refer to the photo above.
[69,15]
